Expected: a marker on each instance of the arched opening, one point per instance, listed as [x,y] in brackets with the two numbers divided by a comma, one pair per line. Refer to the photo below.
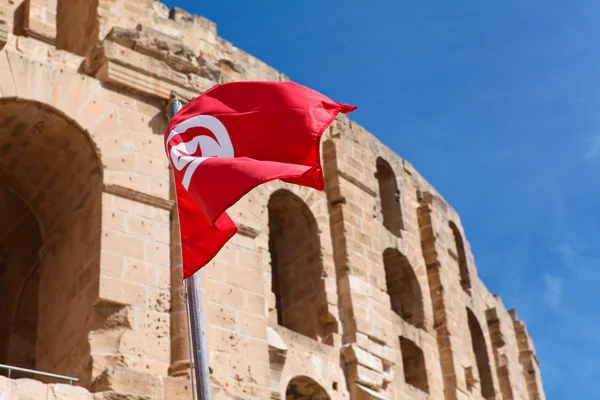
[481,356]
[304,388]
[19,277]
[50,197]
[413,361]
[403,288]
[461,257]
[389,196]
[296,264]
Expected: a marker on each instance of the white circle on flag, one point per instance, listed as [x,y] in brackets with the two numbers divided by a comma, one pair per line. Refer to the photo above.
[181,153]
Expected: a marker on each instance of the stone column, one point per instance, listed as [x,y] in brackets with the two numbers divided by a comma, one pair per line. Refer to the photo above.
[180,355]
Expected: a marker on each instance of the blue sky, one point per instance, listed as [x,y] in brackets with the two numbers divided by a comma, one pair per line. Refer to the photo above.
[497,104]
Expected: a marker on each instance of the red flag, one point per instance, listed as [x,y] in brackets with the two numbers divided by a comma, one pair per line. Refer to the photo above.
[233,138]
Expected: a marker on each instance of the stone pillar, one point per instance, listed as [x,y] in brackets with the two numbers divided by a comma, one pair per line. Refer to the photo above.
[180,355]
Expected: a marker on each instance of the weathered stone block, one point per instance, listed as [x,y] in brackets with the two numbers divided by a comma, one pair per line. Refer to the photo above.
[177,388]
[115,395]
[124,380]
[149,62]
[121,292]
[354,354]
[36,23]
[6,388]
[367,377]
[29,389]
[67,392]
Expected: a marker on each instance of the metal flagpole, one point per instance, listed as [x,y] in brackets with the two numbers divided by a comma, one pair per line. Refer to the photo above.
[196,312]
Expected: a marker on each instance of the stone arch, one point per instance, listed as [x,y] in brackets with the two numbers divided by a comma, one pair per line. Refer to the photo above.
[389,197]
[50,193]
[465,279]
[403,288]
[305,388]
[482,358]
[105,111]
[297,270]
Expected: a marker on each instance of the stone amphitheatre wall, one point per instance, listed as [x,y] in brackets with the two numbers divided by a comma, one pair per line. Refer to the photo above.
[366,290]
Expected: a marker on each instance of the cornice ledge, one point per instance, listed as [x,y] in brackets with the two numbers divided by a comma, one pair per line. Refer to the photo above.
[356,183]
[139,197]
[151,63]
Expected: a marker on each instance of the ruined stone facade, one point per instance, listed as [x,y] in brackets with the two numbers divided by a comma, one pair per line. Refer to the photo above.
[366,290]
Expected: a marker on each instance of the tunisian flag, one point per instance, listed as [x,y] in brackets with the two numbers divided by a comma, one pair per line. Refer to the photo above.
[233,138]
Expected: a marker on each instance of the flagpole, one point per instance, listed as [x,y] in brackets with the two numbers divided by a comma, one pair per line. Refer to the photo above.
[196,312]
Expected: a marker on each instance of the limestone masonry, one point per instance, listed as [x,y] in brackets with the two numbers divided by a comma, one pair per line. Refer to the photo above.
[367,290]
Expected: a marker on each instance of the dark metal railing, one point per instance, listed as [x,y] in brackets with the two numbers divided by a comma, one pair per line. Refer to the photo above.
[34,372]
